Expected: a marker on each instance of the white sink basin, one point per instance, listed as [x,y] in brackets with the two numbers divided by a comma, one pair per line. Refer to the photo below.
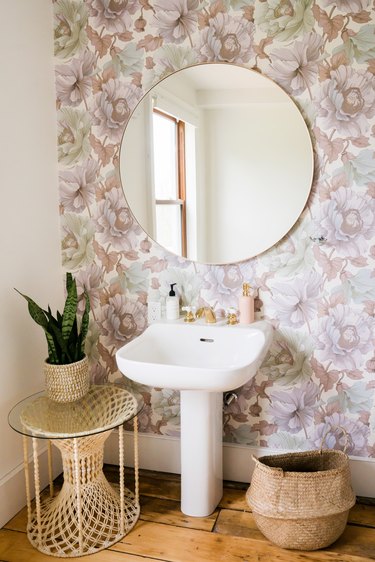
[202,361]
[214,358]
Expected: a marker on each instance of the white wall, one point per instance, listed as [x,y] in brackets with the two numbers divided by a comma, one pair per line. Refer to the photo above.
[30,241]
[242,188]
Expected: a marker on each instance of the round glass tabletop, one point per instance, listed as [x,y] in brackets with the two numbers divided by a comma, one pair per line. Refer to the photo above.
[104,407]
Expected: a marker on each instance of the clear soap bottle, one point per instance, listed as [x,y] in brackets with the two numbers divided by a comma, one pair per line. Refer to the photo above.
[246,305]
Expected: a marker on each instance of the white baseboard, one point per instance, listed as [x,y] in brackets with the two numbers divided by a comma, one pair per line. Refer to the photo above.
[12,485]
[162,454]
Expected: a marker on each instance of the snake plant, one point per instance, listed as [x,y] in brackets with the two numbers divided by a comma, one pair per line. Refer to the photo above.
[65,338]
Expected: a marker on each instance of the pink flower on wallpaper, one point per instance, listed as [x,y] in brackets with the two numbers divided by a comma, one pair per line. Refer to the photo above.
[77,187]
[74,81]
[347,221]
[296,68]
[295,304]
[121,320]
[348,6]
[114,15]
[176,19]
[357,431]
[227,39]
[113,106]
[294,410]
[347,102]
[91,279]
[222,285]
[344,338]
[115,222]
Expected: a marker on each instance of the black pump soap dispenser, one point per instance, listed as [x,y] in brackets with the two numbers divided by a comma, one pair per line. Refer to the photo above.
[172,305]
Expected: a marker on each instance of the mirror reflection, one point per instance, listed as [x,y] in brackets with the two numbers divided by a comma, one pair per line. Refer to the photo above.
[216,163]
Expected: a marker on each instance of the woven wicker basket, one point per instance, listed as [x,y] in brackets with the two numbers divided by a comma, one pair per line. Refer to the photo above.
[301,500]
[67,383]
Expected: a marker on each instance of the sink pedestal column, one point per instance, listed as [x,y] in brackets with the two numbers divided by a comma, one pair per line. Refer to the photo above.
[201,451]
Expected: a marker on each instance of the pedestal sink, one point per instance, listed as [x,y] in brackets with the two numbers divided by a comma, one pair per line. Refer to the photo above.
[202,361]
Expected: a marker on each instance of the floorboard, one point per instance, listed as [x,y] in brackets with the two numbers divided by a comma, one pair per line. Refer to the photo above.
[164,534]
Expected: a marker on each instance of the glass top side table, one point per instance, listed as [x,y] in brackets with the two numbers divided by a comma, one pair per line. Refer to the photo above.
[88,514]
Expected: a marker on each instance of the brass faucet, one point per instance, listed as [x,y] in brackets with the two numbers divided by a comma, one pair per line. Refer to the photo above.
[190,313]
[208,312]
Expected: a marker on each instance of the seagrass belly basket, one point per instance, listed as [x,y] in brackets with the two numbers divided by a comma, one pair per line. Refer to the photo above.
[301,500]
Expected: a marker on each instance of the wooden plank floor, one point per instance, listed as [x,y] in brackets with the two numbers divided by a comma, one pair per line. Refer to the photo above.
[165,534]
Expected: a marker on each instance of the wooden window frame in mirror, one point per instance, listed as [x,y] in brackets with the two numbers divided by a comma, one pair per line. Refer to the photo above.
[181,176]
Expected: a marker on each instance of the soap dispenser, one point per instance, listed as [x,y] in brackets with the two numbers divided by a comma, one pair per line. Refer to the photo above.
[246,305]
[172,305]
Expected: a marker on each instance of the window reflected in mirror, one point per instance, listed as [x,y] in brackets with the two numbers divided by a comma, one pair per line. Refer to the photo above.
[168,149]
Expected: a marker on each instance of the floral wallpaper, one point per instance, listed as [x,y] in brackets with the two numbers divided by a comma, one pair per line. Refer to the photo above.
[319,296]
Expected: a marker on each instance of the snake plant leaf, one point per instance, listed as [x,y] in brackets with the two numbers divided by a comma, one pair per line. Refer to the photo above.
[57,335]
[52,351]
[84,323]
[70,310]
[36,313]
[59,318]
[69,281]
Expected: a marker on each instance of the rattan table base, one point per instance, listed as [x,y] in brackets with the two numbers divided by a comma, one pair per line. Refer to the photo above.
[88,514]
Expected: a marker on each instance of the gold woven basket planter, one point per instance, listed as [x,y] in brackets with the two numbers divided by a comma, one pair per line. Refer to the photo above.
[301,500]
[67,383]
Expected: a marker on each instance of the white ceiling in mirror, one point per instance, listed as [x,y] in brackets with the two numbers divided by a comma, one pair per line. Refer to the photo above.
[245,159]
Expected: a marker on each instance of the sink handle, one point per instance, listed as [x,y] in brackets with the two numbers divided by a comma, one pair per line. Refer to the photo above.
[231,315]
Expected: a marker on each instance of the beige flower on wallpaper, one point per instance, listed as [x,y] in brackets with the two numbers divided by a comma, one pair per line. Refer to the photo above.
[77,241]
[176,20]
[284,19]
[113,106]
[70,27]
[77,186]
[227,39]
[114,15]
[296,68]
[73,129]
[115,223]
[74,81]
[91,280]
[347,102]
[121,320]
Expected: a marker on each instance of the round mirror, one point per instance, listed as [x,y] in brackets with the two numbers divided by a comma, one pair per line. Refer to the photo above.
[216,163]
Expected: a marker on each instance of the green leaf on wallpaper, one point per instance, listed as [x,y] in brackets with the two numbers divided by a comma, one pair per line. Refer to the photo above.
[243,435]
[134,279]
[127,62]
[360,287]
[173,57]
[360,46]
[361,170]
[354,399]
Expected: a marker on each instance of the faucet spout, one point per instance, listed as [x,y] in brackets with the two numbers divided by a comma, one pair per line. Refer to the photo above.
[208,313]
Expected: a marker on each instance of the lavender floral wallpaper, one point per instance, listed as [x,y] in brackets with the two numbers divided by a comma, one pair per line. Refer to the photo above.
[319,297]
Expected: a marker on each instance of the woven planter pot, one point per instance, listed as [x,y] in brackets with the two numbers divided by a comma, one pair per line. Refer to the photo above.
[301,500]
[67,383]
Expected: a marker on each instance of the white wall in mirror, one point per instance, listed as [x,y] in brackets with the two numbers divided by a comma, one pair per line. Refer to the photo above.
[249,160]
